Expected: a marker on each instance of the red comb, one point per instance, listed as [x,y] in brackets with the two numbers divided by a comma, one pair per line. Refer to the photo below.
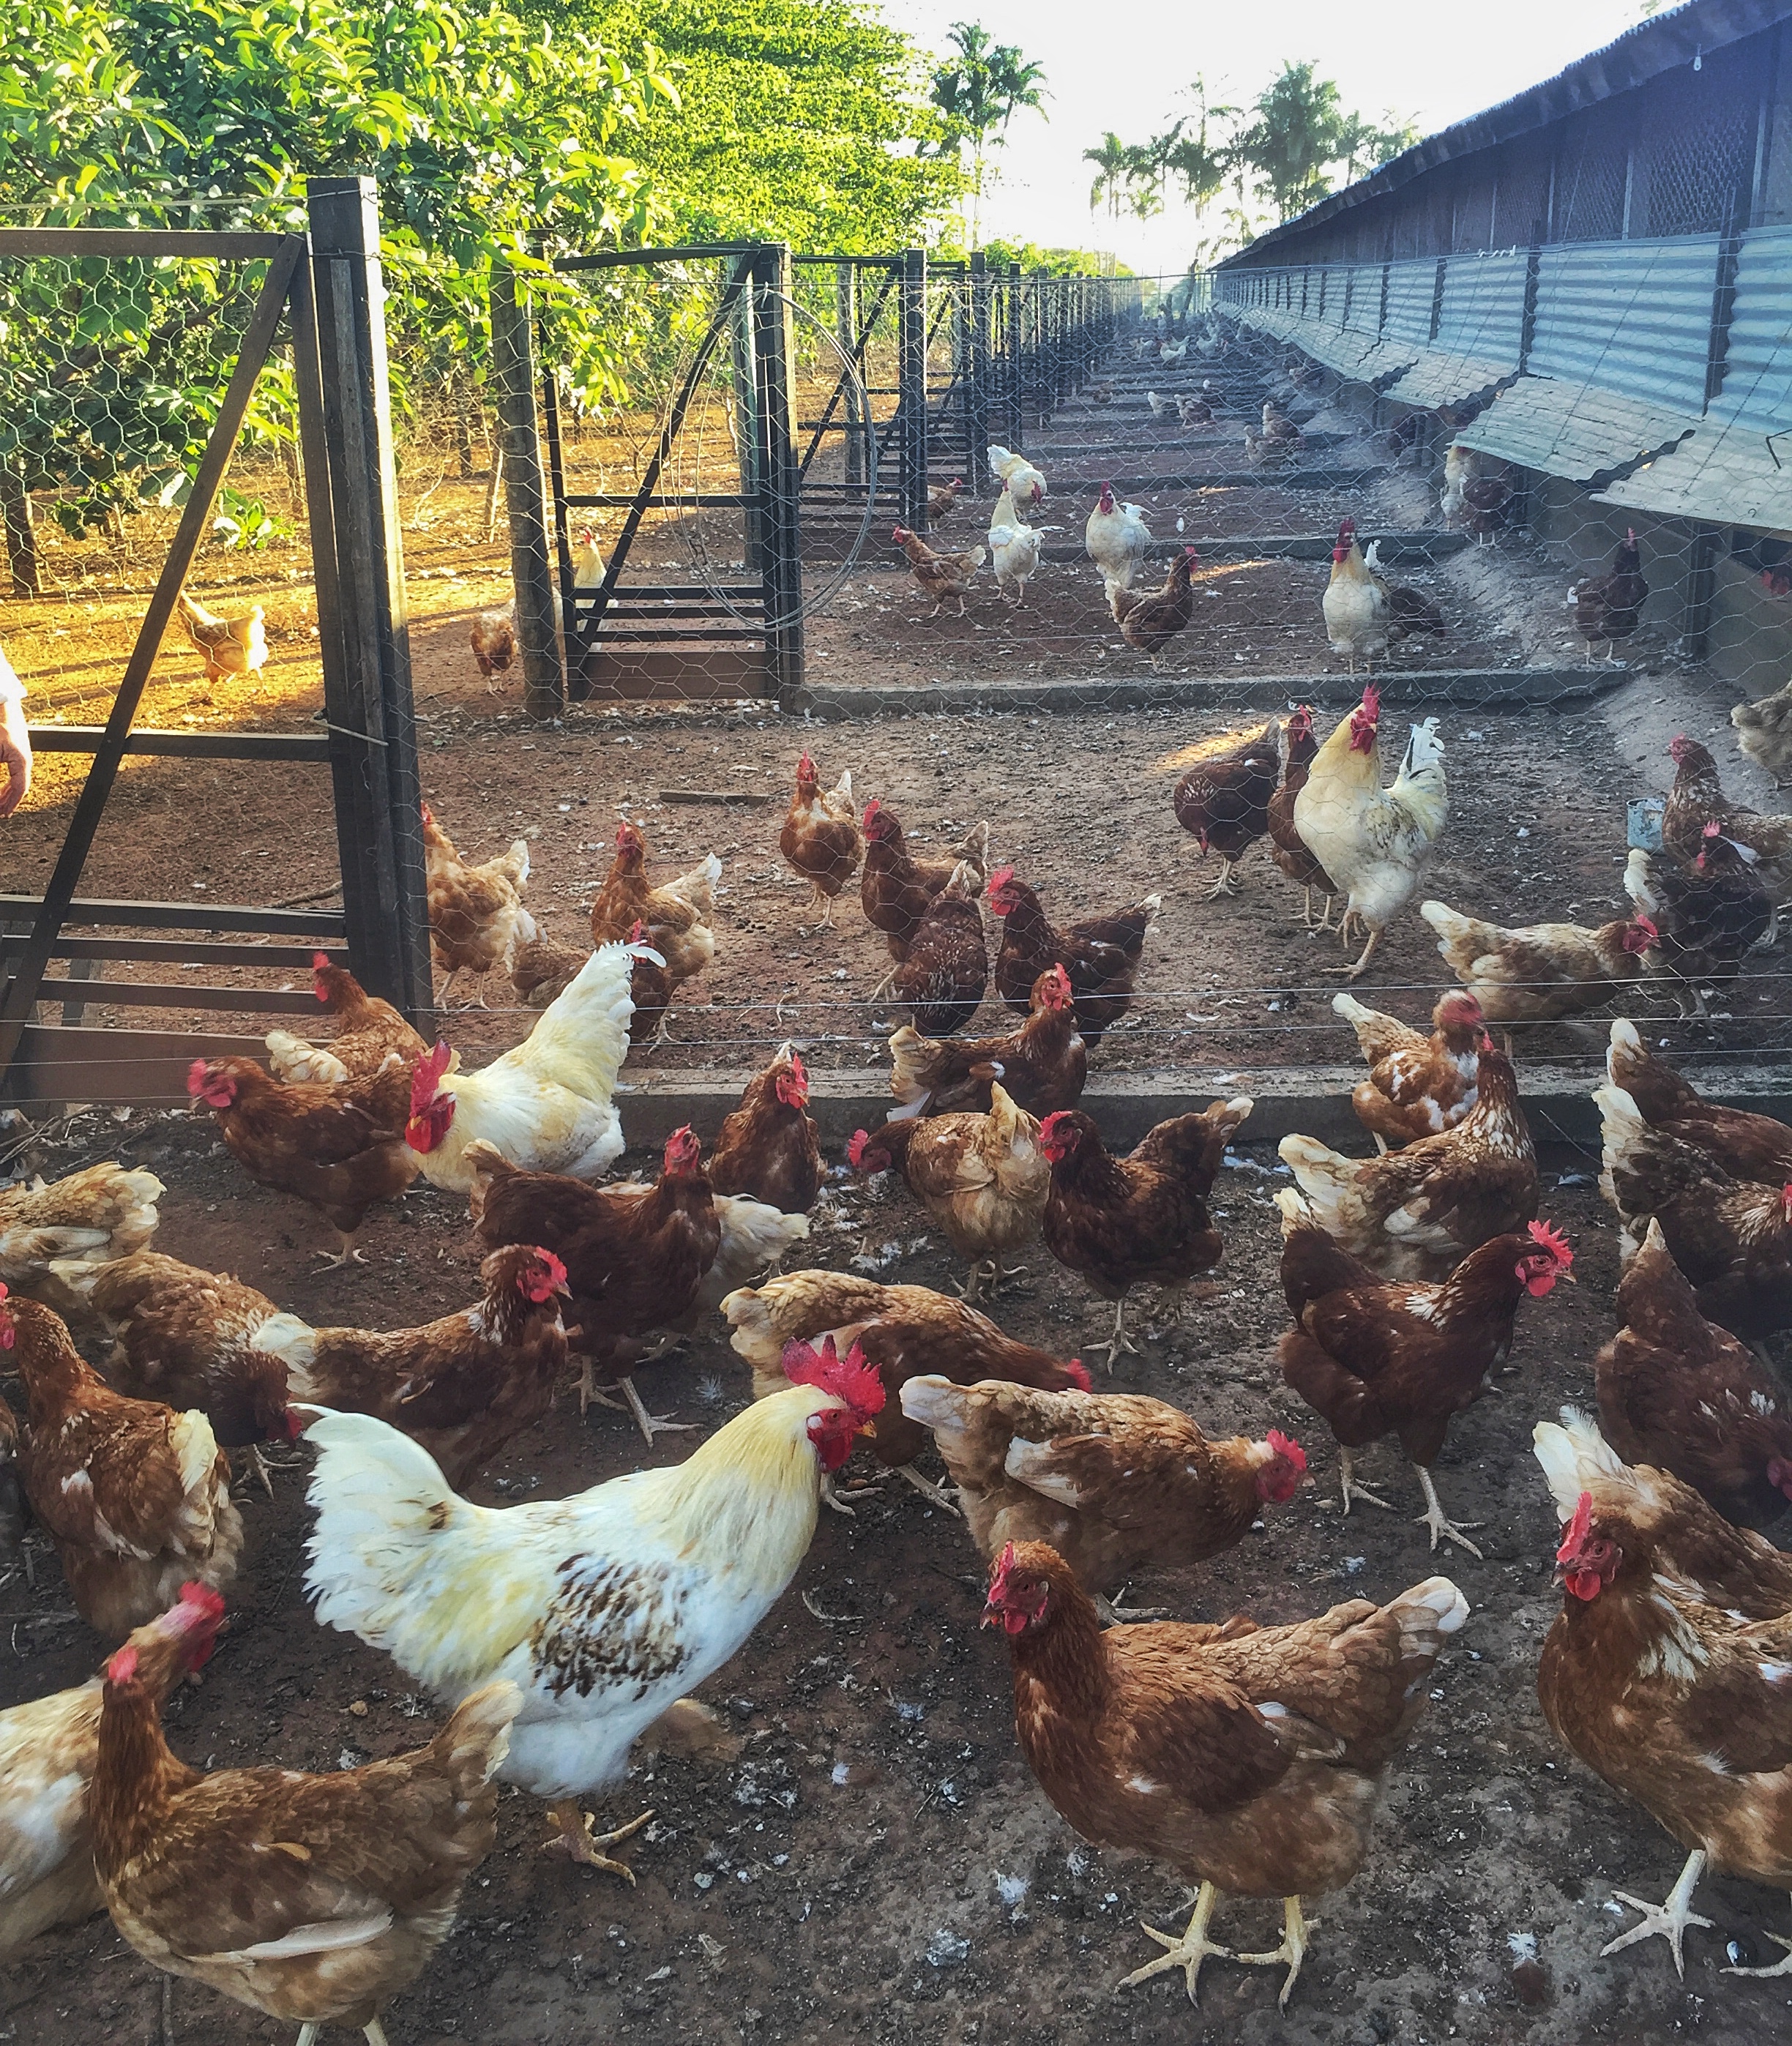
[1371,700]
[6,1331]
[427,1074]
[1285,1446]
[552,1265]
[797,1072]
[1077,1372]
[207,1602]
[998,1577]
[319,961]
[849,1378]
[855,1147]
[639,935]
[1577,1528]
[1553,1241]
[122,1669]
[872,809]
[806,769]
[1002,876]
[196,1077]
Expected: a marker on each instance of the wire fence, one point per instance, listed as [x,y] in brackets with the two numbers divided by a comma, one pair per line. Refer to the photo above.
[1245,416]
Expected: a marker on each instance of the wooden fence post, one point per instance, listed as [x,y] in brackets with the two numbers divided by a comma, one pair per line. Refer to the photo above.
[513,371]
[364,646]
[911,378]
[979,426]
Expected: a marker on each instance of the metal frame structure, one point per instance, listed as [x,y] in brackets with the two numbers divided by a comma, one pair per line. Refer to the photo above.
[324,289]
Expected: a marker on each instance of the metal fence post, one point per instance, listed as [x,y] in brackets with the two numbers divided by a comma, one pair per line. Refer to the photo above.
[846,331]
[513,371]
[1012,374]
[965,286]
[911,353]
[365,649]
[978,413]
[750,441]
[780,521]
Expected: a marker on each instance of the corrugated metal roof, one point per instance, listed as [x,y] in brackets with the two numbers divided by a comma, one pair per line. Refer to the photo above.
[1410,289]
[1632,316]
[1436,379]
[1482,315]
[1576,430]
[1758,367]
[1725,475]
[1662,43]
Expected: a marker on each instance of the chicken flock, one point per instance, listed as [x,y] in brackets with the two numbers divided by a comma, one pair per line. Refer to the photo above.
[1249,1760]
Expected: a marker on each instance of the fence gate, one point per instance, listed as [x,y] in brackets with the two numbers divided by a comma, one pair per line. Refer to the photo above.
[697,591]
[321,292]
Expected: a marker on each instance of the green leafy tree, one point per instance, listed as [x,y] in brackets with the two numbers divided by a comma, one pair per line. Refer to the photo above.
[1302,132]
[979,91]
[485,130]
[801,121]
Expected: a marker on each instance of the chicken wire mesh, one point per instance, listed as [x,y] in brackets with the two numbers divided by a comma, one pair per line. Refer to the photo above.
[113,371]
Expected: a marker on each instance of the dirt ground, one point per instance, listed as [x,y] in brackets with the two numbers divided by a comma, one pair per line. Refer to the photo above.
[877,1858]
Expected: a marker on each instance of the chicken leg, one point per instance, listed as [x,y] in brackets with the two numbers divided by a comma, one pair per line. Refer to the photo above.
[935,1494]
[334,1261]
[1435,1517]
[1670,1918]
[1292,1950]
[1188,1952]
[1351,972]
[1119,1344]
[1779,1967]
[1225,885]
[373,2031]
[1346,1479]
[572,1834]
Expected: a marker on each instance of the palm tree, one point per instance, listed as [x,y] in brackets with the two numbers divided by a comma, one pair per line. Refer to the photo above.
[1300,128]
[979,92]
[1110,160]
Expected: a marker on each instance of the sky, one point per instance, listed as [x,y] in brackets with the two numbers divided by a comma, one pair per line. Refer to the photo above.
[1126,68]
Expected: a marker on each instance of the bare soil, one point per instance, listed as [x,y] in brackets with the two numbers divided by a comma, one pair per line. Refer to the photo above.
[877,1859]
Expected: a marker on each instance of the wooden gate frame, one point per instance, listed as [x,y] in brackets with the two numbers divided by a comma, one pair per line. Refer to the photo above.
[327,285]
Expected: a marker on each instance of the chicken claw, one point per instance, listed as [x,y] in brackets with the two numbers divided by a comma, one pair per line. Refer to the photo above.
[1435,1517]
[1119,1344]
[935,1494]
[334,1261]
[572,1834]
[1670,1918]
[1346,1479]
[1779,1968]
[1188,1952]
[831,1497]
[1292,1950]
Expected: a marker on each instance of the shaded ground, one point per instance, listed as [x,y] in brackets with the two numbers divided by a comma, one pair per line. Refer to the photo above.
[877,1858]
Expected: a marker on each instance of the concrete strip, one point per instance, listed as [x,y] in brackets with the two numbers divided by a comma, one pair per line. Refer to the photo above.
[1397,549]
[1458,688]
[1314,1100]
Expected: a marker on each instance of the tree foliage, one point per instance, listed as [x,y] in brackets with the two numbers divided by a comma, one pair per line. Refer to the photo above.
[979,90]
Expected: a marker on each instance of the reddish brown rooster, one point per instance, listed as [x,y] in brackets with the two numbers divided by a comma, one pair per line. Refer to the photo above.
[634,1256]
[769,1147]
[1374,1359]
[1115,1482]
[1100,954]
[1142,1219]
[942,978]
[340,1148]
[369,1031]
[1249,1760]
[1224,801]
[1609,607]
[1041,1066]
[1678,1392]
[820,840]
[1417,1084]
[904,1332]
[1287,848]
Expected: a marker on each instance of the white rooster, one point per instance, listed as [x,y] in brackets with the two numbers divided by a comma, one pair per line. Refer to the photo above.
[1025,483]
[1356,603]
[1116,537]
[547,1104]
[1375,843]
[606,1609]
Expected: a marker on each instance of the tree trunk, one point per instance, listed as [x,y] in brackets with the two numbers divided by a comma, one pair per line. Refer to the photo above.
[22,540]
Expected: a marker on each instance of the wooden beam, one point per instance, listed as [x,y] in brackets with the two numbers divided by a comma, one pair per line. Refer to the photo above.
[158,994]
[181,917]
[139,1068]
[191,952]
[264,746]
[113,244]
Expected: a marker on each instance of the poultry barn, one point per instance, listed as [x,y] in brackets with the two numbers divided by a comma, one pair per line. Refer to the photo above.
[998,1001]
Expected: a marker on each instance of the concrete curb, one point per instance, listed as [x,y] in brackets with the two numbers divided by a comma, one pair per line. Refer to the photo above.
[1313,1100]
[1455,688]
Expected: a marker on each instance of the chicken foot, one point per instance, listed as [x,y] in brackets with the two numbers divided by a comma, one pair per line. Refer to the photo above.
[1292,1950]
[825,904]
[1119,1344]
[1347,1484]
[1351,972]
[935,1494]
[1188,1952]
[831,1496]
[1226,884]
[572,1834]
[373,2031]
[1779,1967]
[1114,1612]
[1670,1918]
[334,1261]
[650,1424]
[1435,1517]
[1324,923]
